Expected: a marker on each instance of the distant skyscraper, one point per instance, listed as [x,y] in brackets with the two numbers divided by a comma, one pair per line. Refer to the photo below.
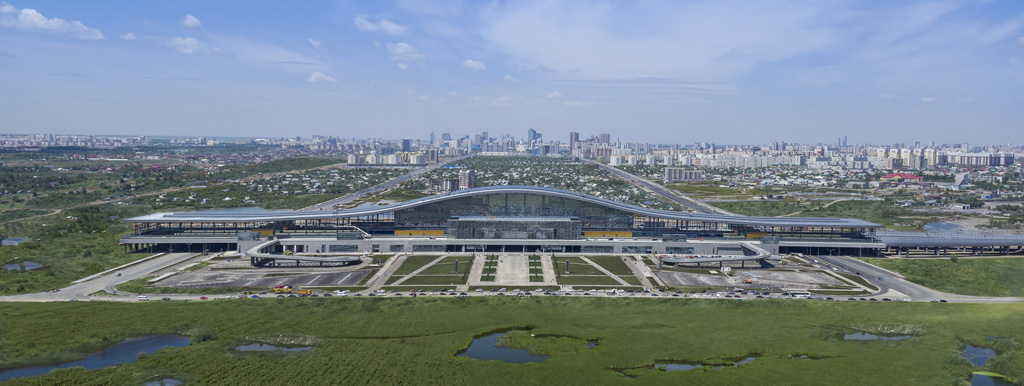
[532,135]
[432,138]
[446,137]
[406,145]
[574,139]
[605,138]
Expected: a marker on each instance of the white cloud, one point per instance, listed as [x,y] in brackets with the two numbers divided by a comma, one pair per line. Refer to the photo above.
[30,20]
[510,78]
[473,65]
[886,95]
[128,36]
[190,46]
[929,100]
[554,94]
[404,52]
[579,103]
[504,100]
[383,25]
[315,43]
[191,21]
[403,66]
[317,76]
[1020,40]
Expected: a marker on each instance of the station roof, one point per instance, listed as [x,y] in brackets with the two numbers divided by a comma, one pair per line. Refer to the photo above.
[223,216]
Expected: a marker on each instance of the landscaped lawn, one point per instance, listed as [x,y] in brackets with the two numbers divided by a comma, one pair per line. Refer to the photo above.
[966,276]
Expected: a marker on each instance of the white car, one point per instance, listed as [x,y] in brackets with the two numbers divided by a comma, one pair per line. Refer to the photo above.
[143,298]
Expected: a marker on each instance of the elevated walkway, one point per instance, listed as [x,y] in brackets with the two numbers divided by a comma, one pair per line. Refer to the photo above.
[258,258]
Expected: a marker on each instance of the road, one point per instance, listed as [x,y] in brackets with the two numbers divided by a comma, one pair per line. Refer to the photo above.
[83,290]
[331,204]
[668,194]
[889,284]
[886,281]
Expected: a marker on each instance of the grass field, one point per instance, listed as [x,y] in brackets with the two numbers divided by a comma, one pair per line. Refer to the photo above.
[394,341]
[434,280]
[447,266]
[413,263]
[966,276]
[576,266]
[613,264]
[587,280]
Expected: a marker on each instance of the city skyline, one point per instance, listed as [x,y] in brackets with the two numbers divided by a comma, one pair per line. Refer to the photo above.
[657,72]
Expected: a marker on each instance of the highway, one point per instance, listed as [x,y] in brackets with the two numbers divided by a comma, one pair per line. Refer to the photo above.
[331,204]
[886,281]
[83,290]
[668,194]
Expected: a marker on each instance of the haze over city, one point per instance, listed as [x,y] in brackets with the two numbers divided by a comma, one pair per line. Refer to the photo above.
[667,72]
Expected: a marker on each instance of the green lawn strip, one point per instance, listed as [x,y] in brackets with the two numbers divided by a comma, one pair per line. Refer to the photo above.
[859,280]
[334,288]
[631,279]
[839,293]
[613,264]
[437,279]
[368,276]
[413,263]
[404,340]
[523,288]
[198,266]
[967,276]
[576,266]
[141,286]
[592,280]
[447,266]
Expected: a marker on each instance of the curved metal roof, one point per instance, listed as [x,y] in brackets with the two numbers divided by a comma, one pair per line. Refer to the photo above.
[221,216]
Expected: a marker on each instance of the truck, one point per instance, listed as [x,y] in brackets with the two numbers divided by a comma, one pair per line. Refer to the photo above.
[304,292]
[282,289]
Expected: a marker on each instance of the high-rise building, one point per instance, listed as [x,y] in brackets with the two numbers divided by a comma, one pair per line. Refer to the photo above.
[467,179]
[446,137]
[605,138]
[432,138]
[406,145]
[574,138]
[532,136]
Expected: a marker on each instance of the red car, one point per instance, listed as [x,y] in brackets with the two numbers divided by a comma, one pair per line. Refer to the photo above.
[203,298]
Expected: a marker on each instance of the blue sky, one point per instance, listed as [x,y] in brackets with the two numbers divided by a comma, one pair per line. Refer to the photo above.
[666,72]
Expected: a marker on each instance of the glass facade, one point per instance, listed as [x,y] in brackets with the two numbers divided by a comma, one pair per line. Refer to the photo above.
[476,227]
[438,214]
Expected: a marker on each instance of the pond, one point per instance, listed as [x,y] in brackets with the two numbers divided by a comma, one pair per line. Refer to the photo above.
[941,227]
[125,351]
[978,379]
[486,348]
[977,355]
[267,347]
[867,336]
[13,241]
[23,266]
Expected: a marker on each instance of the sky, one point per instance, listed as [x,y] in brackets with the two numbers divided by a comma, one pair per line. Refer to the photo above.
[731,72]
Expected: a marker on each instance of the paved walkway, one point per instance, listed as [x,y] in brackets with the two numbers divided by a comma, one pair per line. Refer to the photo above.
[384,273]
[513,270]
[418,270]
[549,270]
[609,273]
